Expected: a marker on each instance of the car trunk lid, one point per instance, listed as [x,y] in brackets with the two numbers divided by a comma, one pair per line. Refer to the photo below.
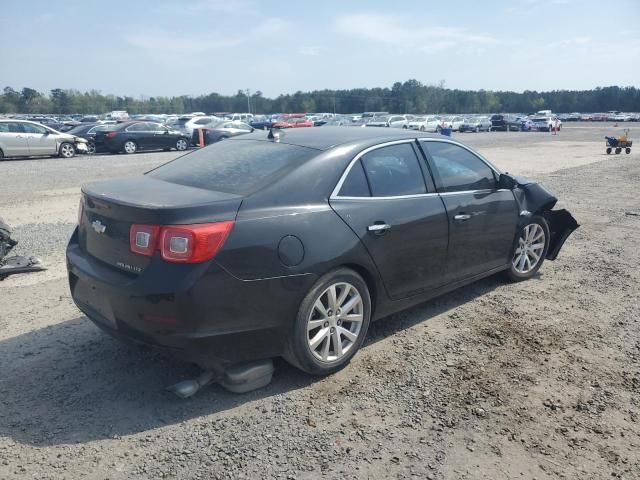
[112,206]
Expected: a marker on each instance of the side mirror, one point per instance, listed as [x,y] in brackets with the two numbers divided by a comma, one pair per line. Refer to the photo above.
[506,181]
[46,132]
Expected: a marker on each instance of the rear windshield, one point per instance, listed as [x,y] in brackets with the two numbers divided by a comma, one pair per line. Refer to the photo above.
[240,167]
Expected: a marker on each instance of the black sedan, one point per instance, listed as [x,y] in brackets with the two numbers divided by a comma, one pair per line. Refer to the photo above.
[131,137]
[290,244]
[88,132]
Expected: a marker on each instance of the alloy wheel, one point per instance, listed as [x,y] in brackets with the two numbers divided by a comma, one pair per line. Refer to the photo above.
[91,148]
[67,150]
[335,322]
[130,147]
[531,244]
[181,144]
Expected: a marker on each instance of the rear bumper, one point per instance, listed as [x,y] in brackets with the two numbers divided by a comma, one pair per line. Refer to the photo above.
[200,313]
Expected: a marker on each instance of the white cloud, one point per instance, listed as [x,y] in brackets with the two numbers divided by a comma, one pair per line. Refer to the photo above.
[401,33]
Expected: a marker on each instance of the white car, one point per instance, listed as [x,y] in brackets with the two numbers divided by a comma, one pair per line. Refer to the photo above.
[453,123]
[20,138]
[391,121]
[546,123]
[240,117]
[188,124]
[425,124]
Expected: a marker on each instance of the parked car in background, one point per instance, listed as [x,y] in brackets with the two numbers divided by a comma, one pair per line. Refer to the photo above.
[425,124]
[131,137]
[546,123]
[453,122]
[239,117]
[187,124]
[88,132]
[293,122]
[221,131]
[505,123]
[390,121]
[212,254]
[20,138]
[89,119]
[262,123]
[475,124]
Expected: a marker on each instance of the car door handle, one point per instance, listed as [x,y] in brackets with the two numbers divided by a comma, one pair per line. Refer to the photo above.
[462,217]
[378,228]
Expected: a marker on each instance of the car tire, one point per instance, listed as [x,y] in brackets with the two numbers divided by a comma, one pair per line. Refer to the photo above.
[608,150]
[130,147]
[422,128]
[477,129]
[91,148]
[1,154]
[323,340]
[66,150]
[618,150]
[626,150]
[521,266]
[182,144]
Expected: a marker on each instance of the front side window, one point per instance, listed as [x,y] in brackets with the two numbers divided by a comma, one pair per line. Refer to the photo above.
[393,171]
[31,128]
[459,169]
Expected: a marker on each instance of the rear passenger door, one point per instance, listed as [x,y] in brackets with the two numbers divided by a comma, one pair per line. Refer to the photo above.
[482,218]
[391,205]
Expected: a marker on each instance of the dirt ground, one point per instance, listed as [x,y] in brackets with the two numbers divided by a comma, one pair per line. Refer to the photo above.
[539,379]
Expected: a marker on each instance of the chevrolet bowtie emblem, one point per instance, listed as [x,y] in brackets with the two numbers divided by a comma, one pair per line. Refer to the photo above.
[98,226]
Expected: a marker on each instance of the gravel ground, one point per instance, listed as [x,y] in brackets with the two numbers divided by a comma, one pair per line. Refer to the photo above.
[539,379]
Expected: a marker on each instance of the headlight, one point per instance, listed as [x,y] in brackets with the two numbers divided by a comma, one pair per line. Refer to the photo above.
[80,140]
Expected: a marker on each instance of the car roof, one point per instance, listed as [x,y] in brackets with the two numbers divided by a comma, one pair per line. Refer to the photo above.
[325,138]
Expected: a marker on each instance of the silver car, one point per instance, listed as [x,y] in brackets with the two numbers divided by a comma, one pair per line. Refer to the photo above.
[19,138]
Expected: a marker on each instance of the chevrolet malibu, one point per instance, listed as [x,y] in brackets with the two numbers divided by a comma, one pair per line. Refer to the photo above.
[291,244]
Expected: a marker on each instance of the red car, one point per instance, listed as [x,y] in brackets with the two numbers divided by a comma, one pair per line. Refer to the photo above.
[293,123]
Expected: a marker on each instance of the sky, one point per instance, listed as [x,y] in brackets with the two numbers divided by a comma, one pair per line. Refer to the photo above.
[144,48]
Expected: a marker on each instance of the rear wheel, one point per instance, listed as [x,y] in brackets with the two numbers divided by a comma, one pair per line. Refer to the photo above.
[91,148]
[331,324]
[529,250]
[618,150]
[130,146]
[181,145]
[608,150]
[626,150]
[66,150]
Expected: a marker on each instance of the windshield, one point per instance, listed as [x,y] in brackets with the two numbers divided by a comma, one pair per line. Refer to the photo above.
[240,166]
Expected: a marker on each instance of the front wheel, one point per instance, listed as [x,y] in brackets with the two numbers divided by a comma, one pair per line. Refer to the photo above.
[181,145]
[608,150]
[331,324]
[66,150]
[626,150]
[529,250]
[91,148]
[618,150]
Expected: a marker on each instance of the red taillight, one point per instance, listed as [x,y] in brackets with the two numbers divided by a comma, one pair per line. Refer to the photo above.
[111,134]
[180,243]
[143,239]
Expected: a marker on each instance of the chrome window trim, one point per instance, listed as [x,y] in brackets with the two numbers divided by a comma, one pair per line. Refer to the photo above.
[334,195]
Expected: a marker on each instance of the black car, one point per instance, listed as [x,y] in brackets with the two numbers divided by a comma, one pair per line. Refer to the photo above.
[88,132]
[130,137]
[289,245]
[505,123]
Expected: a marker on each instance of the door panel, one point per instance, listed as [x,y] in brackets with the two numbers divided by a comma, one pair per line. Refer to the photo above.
[40,144]
[482,241]
[482,219]
[14,143]
[411,254]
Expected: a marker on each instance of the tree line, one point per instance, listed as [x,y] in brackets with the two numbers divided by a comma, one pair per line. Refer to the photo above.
[403,97]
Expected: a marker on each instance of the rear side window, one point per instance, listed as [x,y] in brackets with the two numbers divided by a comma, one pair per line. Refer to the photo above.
[393,171]
[239,166]
[459,169]
[355,185]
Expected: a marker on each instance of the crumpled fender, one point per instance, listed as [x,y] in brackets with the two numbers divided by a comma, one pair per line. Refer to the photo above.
[534,199]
